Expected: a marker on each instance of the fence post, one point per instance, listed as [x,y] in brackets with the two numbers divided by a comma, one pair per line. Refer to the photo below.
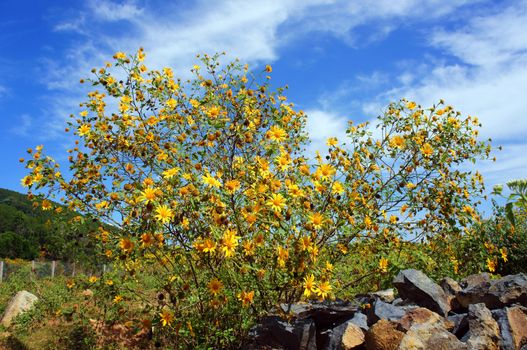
[1,271]
[33,266]
[103,269]
[73,273]
[53,268]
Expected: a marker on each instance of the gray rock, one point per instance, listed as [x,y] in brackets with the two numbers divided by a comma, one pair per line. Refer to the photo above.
[419,288]
[474,280]
[20,303]
[360,320]
[275,333]
[451,288]
[484,333]
[386,295]
[385,311]
[422,315]
[496,294]
[460,322]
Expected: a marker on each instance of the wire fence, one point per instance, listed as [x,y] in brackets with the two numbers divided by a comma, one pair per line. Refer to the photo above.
[54,268]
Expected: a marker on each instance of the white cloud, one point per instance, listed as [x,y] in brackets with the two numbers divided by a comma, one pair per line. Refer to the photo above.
[23,125]
[322,125]
[111,11]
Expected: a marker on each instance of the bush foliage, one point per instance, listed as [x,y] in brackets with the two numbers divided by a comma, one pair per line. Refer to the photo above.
[210,186]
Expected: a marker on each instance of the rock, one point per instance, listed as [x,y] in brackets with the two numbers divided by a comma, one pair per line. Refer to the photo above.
[460,322]
[383,335]
[416,286]
[345,337]
[386,295]
[512,322]
[474,280]
[421,315]
[275,333]
[385,311]
[484,333]
[430,335]
[20,303]
[496,294]
[360,320]
[451,288]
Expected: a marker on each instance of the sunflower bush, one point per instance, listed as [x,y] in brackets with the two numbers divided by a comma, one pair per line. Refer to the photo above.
[216,200]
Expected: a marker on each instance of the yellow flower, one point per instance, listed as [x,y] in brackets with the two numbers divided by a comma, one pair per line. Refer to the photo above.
[164,214]
[383,265]
[215,286]
[211,181]
[168,174]
[268,68]
[229,242]
[93,279]
[171,103]
[325,171]
[309,286]
[148,195]
[119,56]
[46,205]
[232,186]
[332,141]
[126,245]
[166,317]
[337,188]
[397,141]
[491,265]
[317,220]
[70,284]
[410,105]
[84,129]
[117,299]
[427,150]
[147,239]
[277,202]
[503,252]
[27,181]
[323,290]
[276,133]
[246,298]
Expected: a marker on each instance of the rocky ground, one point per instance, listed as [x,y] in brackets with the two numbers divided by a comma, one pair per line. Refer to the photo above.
[475,313]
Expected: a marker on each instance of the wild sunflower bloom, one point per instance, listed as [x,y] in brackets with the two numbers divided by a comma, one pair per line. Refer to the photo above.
[126,245]
[276,133]
[211,181]
[232,186]
[171,103]
[84,129]
[215,286]
[383,265]
[325,171]
[148,195]
[170,173]
[119,56]
[309,286]
[229,242]
[323,290]
[276,202]
[337,188]
[46,204]
[317,220]
[411,105]
[147,239]
[397,141]
[27,181]
[166,317]
[164,214]
[427,150]
[491,265]
[503,253]
[246,298]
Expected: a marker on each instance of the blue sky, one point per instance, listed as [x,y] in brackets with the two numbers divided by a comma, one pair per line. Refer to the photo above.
[341,59]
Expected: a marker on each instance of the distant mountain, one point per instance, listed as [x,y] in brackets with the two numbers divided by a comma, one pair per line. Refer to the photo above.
[28,232]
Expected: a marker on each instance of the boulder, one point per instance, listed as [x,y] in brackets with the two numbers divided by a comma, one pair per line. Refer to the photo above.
[430,335]
[474,280]
[20,303]
[497,293]
[387,295]
[385,311]
[360,320]
[420,316]
[383,335]
[484,333]
[347,336]
[460,322]
[275,333]
[451,288]
[513,326]
[419,288]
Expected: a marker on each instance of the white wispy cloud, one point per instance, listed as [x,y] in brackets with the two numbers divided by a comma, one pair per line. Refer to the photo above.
[23,125]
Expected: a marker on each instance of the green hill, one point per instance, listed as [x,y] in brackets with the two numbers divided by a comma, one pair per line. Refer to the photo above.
[27,232]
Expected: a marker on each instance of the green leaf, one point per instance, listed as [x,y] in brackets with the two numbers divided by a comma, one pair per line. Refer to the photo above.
[509,212]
